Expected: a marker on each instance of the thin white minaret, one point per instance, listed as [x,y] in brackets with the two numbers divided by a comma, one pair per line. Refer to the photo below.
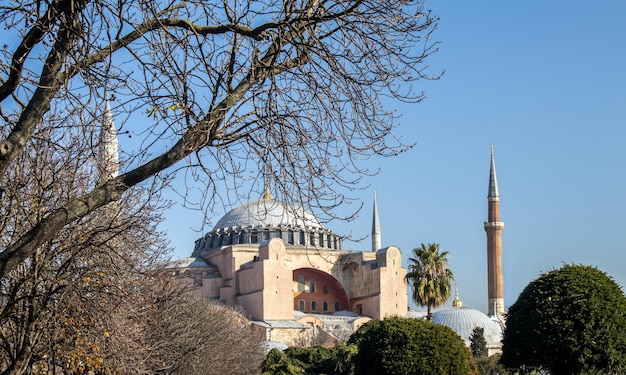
[494,228]
[108,147]
[376,237]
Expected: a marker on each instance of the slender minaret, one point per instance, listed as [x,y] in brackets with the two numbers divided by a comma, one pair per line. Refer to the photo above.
[494,228]
[108,147]
[376,239]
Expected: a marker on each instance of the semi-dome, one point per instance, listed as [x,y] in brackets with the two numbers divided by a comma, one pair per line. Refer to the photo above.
[267,212]
[463,320]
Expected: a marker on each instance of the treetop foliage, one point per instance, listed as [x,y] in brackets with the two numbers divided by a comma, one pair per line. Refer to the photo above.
[569,320]
[390,346]
[336,360]
[478,344]
[410,346]
[429,276]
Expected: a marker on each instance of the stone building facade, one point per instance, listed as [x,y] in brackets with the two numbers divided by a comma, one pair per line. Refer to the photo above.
[291,275]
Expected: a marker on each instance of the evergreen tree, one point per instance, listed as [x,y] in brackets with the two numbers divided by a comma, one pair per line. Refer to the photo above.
[406,346]
[478,344]
[570,321]
[337,360]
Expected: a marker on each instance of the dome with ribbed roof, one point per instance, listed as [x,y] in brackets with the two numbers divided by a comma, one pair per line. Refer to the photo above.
[262,220]
[463,320]
[267,212]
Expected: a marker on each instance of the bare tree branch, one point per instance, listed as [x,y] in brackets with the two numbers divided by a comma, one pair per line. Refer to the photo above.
[231,89]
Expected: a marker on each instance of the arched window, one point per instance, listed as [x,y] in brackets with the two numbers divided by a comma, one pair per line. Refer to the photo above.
[337,306]
[313,305]
[301,305]
[325,306]
[301,283]
[301,238]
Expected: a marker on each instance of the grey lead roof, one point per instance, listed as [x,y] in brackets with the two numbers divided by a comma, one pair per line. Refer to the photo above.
[267,212]
[493,180]
[463,320]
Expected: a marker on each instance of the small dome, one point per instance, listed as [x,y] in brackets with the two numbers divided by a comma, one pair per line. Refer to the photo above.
[463,320]
[267,212]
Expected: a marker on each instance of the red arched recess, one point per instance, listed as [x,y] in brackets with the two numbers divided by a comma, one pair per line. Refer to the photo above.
[318,292]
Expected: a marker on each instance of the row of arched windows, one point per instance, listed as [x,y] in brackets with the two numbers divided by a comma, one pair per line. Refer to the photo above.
[302,305]
[225,237]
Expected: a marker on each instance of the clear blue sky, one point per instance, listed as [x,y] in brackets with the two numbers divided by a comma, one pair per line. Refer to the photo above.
[545,82]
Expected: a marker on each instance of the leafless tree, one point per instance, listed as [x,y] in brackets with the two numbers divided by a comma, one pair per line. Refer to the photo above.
[227,92]
[93,297]
[185,333]
[152,326]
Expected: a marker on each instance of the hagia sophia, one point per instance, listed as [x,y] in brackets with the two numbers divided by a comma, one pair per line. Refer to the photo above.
[291,274]
[296,281]
[299,286]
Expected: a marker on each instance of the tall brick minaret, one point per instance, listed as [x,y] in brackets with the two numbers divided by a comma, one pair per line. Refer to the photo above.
[494,228]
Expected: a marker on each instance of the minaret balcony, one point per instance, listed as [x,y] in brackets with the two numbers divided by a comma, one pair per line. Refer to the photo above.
[494,224]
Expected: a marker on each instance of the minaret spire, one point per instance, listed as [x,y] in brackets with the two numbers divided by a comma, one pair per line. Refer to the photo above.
[376,235]
[108,147]
[493,180]
[494,228]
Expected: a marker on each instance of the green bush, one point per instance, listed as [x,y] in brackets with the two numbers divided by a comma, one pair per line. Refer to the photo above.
[316,360]
[406,346]
[570,321]
[491,365]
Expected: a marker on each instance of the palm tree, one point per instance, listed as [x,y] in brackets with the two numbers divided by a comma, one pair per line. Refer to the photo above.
[430,277]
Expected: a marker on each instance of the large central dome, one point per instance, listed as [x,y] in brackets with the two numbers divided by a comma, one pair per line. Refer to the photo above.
[262,220]
[267,212]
